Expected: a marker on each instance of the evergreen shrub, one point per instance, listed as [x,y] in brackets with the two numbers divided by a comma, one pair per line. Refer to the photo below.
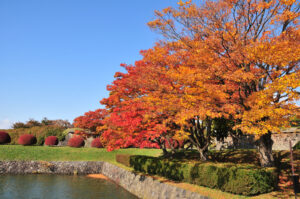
[233,178]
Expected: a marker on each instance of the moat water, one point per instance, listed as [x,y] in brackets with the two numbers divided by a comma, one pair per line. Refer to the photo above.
[59,187]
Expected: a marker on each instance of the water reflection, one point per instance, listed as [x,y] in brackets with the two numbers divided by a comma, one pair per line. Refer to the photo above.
[59,186]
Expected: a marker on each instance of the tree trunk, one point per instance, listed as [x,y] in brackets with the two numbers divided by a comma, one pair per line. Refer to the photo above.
[265,144]
[162,146]
[199,138]
[165,152]
[203,153]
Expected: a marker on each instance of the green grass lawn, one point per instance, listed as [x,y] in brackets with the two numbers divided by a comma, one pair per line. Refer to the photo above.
[18,152]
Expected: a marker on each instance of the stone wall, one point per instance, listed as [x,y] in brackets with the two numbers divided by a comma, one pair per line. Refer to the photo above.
[65,141]
[281,141]
[243,142]
[140,185]
[144,186]
[53,167]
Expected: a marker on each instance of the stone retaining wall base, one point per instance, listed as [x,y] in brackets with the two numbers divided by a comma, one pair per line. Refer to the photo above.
[146,187]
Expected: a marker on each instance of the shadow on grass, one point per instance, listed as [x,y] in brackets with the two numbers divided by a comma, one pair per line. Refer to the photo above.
[246,156]
[225,156]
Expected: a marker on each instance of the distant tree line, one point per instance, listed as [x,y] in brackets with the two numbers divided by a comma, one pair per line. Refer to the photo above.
[44,122]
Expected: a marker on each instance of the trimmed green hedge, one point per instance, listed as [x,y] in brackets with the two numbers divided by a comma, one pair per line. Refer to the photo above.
[233,178]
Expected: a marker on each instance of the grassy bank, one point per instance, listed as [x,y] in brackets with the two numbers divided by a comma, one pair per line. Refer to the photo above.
[17,152]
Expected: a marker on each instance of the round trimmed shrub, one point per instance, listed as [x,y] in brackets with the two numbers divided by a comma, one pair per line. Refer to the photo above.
[51,141]
[27,139]
[97,143]
[76,141]
[4,137]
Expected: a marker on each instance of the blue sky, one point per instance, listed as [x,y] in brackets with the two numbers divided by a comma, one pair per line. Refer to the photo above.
[57,56]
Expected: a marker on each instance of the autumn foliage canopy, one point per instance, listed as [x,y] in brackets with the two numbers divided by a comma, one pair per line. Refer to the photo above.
[90,120]
[235,60]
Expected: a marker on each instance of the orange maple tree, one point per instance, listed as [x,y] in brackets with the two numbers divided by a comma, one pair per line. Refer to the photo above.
[191,98]
[250,53]
[231,60]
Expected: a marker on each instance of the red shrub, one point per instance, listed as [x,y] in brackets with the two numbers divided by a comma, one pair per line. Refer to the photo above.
[97,143]
[27,139]
[51,141]
[76,141]
[4,137]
